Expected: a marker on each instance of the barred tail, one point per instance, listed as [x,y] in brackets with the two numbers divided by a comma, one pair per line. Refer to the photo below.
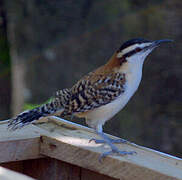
[30,116]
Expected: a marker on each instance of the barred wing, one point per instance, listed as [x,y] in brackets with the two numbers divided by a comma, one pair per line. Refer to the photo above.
[87,95]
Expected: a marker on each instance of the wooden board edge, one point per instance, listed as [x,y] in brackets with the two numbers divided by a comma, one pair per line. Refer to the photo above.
[19,149]
[89,159]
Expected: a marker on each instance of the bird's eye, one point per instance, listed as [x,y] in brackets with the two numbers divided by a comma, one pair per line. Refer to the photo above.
[138,49]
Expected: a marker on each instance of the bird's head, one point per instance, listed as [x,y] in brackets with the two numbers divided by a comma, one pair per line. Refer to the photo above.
[137,49]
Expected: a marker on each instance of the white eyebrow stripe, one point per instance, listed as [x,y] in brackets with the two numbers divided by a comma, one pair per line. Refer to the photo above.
[131,48]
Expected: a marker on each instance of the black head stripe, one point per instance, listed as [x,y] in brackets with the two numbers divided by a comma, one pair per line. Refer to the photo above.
[132,52]
[132,42]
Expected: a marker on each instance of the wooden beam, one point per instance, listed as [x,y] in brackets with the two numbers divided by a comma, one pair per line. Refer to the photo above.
[19,145]
[69,142]
[15,150]
[51,169]
[48,168]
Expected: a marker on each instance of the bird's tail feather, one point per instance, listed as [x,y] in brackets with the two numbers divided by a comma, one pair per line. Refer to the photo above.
[30,116]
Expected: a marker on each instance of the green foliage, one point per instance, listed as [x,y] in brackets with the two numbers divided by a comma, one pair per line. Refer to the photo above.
[29,106]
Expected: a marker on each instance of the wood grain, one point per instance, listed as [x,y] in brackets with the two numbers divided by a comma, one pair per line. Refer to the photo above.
[69,142]
[90,175]
[16,150]
[51,169]
[117,167]
[19,145]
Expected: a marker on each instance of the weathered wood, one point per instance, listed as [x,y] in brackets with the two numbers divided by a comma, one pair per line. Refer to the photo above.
[49,168]
[21,144]
[136,167]
[53,169]
[6,174]
[90,175]
[69,142]
[15,150]
[18,145]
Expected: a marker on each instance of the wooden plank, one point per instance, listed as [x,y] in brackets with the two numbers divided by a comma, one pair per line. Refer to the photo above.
[45,169]
[50,169]
[90,175]
[15,150]
[69,142]
[53,169]
[144,164]
[19,145]
[6,174]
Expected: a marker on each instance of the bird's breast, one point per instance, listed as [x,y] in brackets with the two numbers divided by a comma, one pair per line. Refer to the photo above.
[133,75]
[102,114]
[105,112]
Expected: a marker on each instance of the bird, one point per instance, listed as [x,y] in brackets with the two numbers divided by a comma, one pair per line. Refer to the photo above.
[100,94]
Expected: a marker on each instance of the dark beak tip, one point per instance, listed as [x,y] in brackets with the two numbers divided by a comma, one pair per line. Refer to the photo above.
[168,40]
[163,41]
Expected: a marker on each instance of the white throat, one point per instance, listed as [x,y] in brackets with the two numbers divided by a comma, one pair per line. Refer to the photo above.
[135,62]
[133,73]
[138,58]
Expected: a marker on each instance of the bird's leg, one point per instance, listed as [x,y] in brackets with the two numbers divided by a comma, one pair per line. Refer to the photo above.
[72,116]
[103,141]
[114,149]
[109,141]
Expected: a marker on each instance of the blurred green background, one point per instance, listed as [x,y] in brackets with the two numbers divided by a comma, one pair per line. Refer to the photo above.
[48,45]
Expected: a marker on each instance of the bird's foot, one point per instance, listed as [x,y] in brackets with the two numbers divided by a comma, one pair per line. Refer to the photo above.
[115,151]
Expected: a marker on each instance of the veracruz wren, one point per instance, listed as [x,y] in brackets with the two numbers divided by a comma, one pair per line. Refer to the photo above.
[101,94]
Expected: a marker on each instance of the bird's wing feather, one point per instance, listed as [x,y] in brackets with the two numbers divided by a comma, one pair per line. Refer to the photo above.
[90,93]
[63,96]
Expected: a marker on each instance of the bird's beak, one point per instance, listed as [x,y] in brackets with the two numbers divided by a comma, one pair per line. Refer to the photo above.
[158,42]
